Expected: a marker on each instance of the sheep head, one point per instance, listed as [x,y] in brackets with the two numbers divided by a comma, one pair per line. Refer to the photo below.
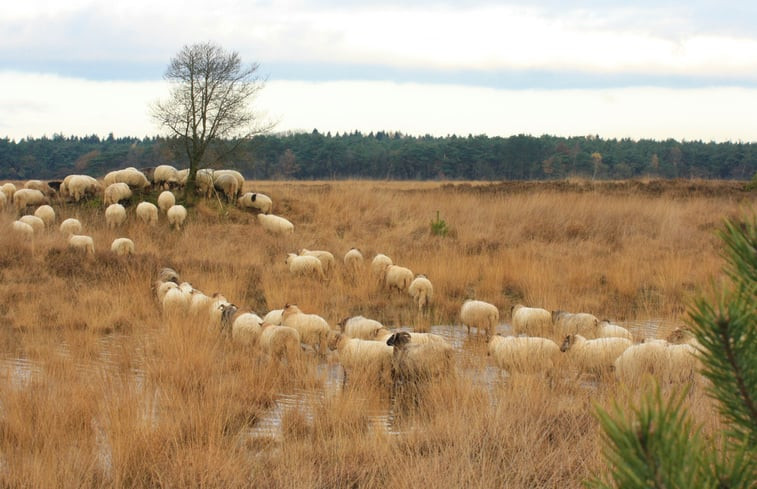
[568,342]
[399,340]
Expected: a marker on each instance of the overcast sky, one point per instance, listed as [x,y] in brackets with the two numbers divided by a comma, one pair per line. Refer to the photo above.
[646,69]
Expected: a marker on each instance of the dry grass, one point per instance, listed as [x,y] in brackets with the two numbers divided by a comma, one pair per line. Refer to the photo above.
[98,390]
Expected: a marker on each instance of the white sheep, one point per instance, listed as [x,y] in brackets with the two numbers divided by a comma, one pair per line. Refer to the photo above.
[165,176]
[581,323]
[421,338]
[305,265]
[41,186]
[524,354]
[607,329]
[275,224]
[82,242]
[176,301]
[176,215]
[595,356]
[23,229]
[397,277]
[162,288]
[35,222]
[183,176]
[280,341]
[531,321]
[379,265]
[257,201]
[116,192]
[326,258]
[413,362]
[147,212]
[364,359]
[46,213]
[122,246]
[168,274]
[8,190]
[313,329]
[130,176]
[115,215]
[3,201]
[204,181]
[237,176]
[166,199]
[273,317]
[353,260]
[24,197]
[80,186]
[70,226]
[363,328]
[227,184]
[243,327]
[422,291]
[480,315]
[647,358]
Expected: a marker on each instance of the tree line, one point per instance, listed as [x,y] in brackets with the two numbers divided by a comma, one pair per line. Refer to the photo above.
[386,155]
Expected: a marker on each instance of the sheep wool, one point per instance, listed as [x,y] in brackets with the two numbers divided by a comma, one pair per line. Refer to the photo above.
[595,356]
[281,342]
[480,315]
[275,224]
[122,246]
[115,215]
[305,265]
[313,329]
[82,242]
[166,199]
[353,261]
[524,354]
[35,222]
[147,212]
[398,278]
[46,213]
[422,291]
[70,226]
[531,321]
[176,215]
[326,258]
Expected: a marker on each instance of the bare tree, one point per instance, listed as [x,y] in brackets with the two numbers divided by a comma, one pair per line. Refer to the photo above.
[209,102]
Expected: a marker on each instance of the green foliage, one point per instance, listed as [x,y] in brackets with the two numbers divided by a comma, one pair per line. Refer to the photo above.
[656,444]
[439,226]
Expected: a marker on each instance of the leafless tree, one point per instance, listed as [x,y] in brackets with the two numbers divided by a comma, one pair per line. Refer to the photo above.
[210,101]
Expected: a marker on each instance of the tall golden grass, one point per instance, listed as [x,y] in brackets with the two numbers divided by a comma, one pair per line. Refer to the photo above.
[98,390]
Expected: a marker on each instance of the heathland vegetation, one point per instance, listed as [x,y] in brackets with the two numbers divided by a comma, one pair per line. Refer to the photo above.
[390,156]
[101,390]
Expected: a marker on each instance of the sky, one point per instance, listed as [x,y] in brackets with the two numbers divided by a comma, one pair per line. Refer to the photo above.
[646,69]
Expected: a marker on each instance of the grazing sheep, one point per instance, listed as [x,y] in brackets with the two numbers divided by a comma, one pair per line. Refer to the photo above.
[326,258]
[176,215]
[582,323]
[683,363]
[647,358]
[166,200]
[82,242]
[524,354]
[353,260]
[413,362]
[305,265]
[23,229]
[35,222]
[275,224]
[227,184]
[273,317]
[46,213]
[3,201]
[27,196]
[397,277]
[379,265]
[8,190]
[116,192]
[175,302]
[421,338]
[606,329]
[531,321]
[130,176]
[313,329]
[41,186]
[167,274]
[165,176]
[122,246]
[280,341]
[162,288]
[421,291]
[363,328]
[70,226]
[147,212]
[115,215]
[238,176]
[480,315]
[362,358]
[595,356]
[244,327]
[204,181]
[183,176]
[252,200]
[80,186]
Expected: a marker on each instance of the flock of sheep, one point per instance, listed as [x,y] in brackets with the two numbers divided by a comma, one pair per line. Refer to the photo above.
[32,202]
[542,342]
